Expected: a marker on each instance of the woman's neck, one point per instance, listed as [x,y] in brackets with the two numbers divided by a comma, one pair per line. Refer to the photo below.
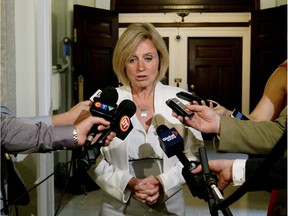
[144,101]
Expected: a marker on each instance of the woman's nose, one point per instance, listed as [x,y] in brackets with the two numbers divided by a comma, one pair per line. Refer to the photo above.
[140,65]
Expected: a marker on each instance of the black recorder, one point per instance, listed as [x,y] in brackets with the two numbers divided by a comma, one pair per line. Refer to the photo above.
[178,107]
[190,97]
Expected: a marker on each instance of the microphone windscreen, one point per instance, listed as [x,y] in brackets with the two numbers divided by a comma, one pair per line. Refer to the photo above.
[161,129]
[105,106]
[126,107]
[110,95]
[170,140]
[122,122]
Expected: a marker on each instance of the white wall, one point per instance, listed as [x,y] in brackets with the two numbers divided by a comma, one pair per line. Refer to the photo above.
[33,93]
[25,58]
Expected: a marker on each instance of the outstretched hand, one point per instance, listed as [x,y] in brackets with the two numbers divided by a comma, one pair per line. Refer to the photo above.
[75,115]
[204,119]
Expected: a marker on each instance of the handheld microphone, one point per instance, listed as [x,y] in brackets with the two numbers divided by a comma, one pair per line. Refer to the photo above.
[172,144]
[104,106]
[120,124]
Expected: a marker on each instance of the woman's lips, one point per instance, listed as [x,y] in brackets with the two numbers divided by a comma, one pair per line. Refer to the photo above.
[142,77]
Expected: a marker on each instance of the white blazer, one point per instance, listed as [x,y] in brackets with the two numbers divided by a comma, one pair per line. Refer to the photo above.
[112,173]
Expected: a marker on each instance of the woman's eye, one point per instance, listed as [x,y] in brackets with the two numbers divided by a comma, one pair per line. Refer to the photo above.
[132,60]
[148,59]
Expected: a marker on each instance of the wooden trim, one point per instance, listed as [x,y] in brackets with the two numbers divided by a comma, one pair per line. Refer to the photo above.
[160,6]
[194,25]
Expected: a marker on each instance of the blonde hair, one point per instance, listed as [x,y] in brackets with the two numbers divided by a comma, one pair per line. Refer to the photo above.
[127,44]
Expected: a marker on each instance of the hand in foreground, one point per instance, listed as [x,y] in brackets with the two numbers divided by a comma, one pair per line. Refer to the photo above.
[84,126]
[204,119]
[147,190]
[222,169]
[75,115]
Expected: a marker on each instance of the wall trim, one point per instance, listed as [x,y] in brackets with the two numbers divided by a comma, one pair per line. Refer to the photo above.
[192,25]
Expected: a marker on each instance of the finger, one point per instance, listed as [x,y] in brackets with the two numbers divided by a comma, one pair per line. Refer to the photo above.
[195,102]
[198,169]
[103,125]
[203,103]
[87,103]
[140,197]
[152,199]
[109,139]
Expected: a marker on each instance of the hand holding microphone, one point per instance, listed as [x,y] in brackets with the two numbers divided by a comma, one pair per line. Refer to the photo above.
[119,117]
[103,106]
[202,185]
[84,126]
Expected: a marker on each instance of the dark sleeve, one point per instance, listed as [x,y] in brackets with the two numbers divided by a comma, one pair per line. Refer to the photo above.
[274,178]
[19,137]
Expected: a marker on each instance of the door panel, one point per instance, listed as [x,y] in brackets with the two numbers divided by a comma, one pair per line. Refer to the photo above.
[268,47]
[215,69]
[95,36]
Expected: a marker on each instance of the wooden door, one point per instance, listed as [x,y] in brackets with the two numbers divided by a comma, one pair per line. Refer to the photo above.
[95,36]
[268,47]
[215,69]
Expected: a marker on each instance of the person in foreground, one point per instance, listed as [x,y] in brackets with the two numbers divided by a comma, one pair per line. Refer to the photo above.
[19,137]
[273,100]
[242,136]
[38,137]
[236,135]
[239,170]
[46,133]
[135,174]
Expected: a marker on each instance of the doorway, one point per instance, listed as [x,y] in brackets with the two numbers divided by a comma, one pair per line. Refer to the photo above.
[230,84]
[215,69]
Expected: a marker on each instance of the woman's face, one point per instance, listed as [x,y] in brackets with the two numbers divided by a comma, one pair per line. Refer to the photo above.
[142,67]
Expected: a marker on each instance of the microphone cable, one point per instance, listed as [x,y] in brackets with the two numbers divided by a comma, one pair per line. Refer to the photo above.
[73,158]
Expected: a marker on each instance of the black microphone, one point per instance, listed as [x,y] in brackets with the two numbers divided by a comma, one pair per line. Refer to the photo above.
[172,144]
[211,183]
[104,106]
[120,123]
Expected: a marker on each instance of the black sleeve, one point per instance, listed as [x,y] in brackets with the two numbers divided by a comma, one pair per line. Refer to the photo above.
[274,178]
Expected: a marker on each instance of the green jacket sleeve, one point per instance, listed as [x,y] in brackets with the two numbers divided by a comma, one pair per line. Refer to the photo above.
[250,137]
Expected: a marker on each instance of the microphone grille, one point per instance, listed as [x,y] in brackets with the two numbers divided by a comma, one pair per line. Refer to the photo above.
[109,94]
[160,129]
[129,107]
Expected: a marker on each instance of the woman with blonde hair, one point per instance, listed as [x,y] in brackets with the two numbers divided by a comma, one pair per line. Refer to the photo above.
[135,174]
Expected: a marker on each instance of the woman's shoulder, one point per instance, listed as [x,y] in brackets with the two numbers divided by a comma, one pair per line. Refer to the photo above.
[168,88]
[124,92]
